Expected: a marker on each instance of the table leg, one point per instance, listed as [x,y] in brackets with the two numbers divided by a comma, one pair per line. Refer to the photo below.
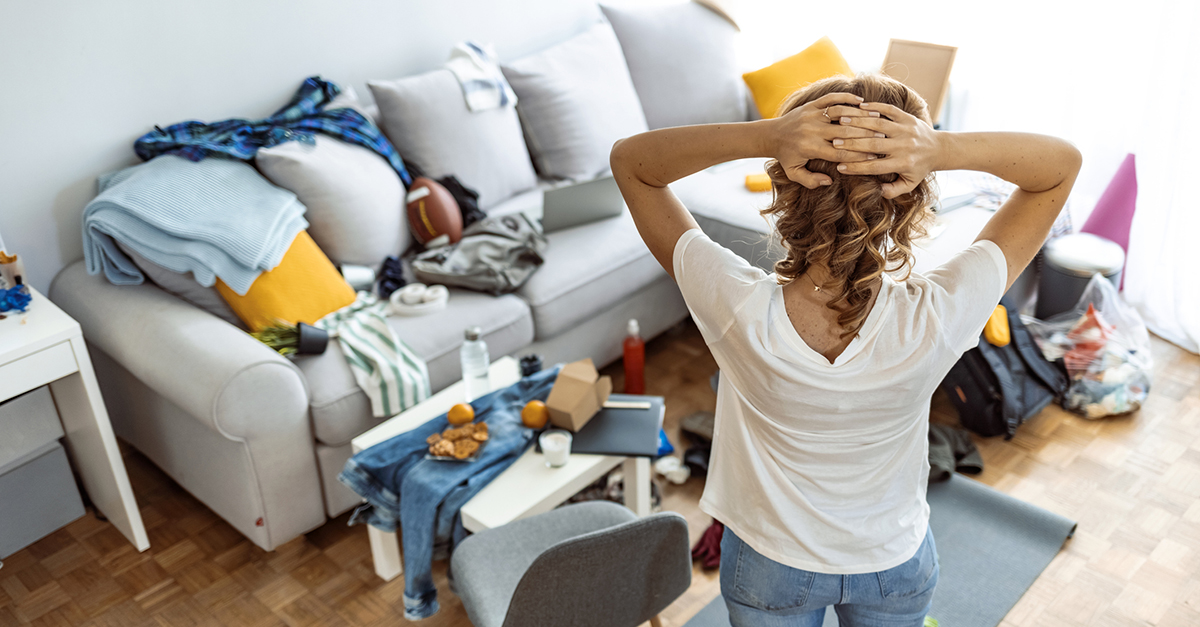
[385,552]
[637,485]
[93,447]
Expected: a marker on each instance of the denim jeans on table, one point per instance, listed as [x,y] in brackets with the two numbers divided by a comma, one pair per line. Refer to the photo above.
[764,593]
[424,496]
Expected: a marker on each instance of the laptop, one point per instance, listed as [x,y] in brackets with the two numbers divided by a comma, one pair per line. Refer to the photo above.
[580,203]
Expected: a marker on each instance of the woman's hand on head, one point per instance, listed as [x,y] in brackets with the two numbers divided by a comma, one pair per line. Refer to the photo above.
[808,132]
[907,146]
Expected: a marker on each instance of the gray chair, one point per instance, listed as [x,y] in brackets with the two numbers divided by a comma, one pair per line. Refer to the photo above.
[590,564]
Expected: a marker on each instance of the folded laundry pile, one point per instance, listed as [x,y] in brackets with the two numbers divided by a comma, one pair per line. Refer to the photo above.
[215,218]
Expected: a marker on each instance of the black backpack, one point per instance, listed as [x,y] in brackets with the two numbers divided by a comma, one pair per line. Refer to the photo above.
[996,388]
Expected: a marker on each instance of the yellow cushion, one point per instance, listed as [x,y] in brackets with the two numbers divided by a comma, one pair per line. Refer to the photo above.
[304,287]
[774,83]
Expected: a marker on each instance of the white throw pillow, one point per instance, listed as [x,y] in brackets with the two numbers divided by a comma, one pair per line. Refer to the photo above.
[427,119]
[355,200]
[683,62]
[576,99]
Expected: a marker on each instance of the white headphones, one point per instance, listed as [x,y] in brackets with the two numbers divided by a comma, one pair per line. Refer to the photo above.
[416,299]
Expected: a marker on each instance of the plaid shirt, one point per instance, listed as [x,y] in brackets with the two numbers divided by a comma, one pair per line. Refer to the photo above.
[240,139]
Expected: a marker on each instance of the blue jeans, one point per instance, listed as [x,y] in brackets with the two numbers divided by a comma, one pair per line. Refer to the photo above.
[424,496]
[764,593]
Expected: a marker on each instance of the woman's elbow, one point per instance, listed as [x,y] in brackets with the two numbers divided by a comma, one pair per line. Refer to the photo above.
[618,157]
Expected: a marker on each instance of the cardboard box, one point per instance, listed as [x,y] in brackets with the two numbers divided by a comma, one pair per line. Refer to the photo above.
[578,393]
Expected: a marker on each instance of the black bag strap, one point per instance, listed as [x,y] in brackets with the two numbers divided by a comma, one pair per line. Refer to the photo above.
[1009,388]
[1029,352]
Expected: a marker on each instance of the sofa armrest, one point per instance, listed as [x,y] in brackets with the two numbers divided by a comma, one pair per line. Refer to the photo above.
[214,371]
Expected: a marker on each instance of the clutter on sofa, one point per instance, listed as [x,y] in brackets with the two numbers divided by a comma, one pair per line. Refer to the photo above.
[434,218]
[303,287]
[215,218]
[479,75]
[495,255]
[293,339]
[1104,346]
[424,498]
[392,375]
[418,299]
[307,113]
[427,119]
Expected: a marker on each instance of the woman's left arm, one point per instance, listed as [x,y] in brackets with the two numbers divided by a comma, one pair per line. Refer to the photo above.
[645,164]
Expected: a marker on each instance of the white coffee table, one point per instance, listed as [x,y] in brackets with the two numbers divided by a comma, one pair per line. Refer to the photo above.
[526,488]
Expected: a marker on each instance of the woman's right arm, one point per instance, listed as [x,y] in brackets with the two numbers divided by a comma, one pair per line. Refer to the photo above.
[1043,168]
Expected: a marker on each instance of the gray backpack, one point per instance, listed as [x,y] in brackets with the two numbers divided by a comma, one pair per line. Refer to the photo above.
[495,255]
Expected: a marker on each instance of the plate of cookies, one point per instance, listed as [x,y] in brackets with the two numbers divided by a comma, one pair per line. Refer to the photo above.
[459,442]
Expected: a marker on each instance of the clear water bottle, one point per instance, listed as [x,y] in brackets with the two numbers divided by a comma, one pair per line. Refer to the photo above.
[474,354]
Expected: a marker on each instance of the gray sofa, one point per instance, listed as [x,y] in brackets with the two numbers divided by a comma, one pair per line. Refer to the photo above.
[260,438]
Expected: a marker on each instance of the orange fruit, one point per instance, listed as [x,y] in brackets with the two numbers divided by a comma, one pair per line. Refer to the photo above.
[460,414]
[535,415]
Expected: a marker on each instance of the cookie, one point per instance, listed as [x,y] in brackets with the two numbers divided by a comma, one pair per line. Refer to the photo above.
[458,433]
[481,427]
[480,436]
[433,439]
[442,448]
[464,448]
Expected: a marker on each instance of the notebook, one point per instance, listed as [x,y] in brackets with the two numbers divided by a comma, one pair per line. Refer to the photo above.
[629,432]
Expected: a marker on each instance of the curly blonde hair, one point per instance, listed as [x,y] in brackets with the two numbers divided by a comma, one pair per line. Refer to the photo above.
[848,226]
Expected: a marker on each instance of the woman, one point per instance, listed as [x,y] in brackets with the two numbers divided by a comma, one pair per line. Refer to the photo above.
[819,461]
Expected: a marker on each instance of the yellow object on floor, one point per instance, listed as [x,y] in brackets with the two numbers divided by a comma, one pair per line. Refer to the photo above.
[758,182]
[771,85]
[304,287]
[996,330]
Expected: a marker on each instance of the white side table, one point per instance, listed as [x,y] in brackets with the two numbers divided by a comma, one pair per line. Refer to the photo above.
[45,346]
[526,488]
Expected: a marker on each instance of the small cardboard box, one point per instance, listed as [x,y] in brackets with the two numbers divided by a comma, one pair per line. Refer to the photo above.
[578,394]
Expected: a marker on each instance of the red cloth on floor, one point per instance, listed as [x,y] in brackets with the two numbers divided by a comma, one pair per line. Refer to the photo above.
[708,547]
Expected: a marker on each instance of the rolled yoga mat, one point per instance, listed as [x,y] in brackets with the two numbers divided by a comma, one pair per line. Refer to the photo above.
[991,547]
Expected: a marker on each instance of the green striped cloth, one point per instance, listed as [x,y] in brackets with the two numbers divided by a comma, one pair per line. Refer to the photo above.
[393,377]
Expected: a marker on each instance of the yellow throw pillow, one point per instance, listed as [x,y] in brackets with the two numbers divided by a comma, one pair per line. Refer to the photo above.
[774,83]
[304,287]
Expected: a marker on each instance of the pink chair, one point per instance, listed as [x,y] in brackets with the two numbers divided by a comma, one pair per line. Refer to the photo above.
[1114,212]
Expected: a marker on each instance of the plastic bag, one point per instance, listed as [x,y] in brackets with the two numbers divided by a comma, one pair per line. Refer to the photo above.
[1106,349]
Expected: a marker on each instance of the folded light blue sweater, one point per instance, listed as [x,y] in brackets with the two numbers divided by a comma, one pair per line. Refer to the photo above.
[215,218]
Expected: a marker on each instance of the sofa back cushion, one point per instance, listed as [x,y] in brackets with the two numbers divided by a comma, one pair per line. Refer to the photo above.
[575,99]
[683,63]
[426,118]
[355,199]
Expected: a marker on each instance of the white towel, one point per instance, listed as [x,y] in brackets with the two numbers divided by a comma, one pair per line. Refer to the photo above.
[392,376]
[483,84]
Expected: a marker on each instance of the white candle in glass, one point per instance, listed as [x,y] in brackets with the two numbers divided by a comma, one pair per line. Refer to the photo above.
[556,447]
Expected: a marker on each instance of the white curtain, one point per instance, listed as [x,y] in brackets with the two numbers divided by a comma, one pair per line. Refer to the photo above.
[1162,274]
[1113,78]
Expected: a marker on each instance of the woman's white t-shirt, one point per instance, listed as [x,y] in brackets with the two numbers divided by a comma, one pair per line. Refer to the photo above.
[822,466]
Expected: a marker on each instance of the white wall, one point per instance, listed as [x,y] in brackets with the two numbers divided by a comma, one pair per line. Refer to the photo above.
[82,79]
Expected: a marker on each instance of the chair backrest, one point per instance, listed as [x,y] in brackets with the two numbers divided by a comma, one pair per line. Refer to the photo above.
[616,577]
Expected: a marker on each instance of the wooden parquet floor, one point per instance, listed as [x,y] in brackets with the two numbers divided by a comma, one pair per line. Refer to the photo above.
[1133,484]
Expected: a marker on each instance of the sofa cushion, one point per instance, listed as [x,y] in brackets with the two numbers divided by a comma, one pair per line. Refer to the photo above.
[339,408]
[682,61]
[588,269]
[576,99]
[355,199]
[773,84]
[427,119]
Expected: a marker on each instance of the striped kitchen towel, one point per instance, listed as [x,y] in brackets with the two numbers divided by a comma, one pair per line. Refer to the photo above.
[390,373]
[483,84]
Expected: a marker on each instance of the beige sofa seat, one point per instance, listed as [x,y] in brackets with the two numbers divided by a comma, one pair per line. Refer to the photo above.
[589,268]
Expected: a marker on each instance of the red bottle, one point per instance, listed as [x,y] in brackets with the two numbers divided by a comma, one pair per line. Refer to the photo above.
[635,360]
